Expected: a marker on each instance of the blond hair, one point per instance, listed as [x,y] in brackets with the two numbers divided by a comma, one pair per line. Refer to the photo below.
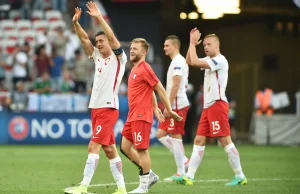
[144,43]
[213,36]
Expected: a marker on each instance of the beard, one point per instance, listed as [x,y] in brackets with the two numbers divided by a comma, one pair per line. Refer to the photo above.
[136,58]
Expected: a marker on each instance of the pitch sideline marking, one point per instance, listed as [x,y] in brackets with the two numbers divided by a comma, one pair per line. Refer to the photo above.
[205,181]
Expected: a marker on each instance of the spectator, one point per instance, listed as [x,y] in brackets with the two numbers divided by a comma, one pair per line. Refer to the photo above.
[263,102]
[26,9]
[5,98]
[2,70]
[82,68]
[42,61]
[67,84]
[56,70]
[18,59]
[60,5]
[60,42]
[19,98]
[42,84]
[72,45]
[29,68]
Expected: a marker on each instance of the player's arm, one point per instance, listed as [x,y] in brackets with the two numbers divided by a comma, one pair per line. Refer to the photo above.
[164,98]
[175,87]
[113,41]
[82,35]
[188,57]
[157,112]
[194,41]
[195,61]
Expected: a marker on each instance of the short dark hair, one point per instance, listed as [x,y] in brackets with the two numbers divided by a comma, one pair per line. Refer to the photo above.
[99,33]
[174,39]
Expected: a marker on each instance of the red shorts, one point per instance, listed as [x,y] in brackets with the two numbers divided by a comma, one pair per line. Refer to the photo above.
[214,120]
[175,127]
[138,132]
[103,122]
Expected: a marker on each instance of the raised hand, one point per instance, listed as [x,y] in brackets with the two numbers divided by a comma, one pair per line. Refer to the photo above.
[93,9]
[175,116]
[77,14]
[159,116]
[195,36]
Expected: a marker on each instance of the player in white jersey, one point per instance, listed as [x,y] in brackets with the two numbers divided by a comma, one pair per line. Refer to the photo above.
[170,131]
[110,60]
[214,118]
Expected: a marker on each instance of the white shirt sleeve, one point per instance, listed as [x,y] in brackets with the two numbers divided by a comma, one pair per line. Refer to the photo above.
[178,68]
[95,54]
[216,63]
[123,58]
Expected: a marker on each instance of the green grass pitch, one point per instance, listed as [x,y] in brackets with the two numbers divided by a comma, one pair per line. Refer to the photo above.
[50,169]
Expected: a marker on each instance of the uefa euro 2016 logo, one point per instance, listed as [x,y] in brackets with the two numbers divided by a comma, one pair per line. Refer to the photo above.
[18,128]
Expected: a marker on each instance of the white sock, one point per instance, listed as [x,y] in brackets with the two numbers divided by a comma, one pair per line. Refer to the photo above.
[144,182]
[195,160]
[116,170]
[166,141]
[90,167]
[234,160]
[178,155]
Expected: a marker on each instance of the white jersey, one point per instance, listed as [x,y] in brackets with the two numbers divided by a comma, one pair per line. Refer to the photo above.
[178,67]
[215,79]
[107,79]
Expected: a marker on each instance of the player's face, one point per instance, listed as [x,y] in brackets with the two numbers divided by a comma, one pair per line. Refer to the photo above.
[169,47]
[211,46]
[136,52]
[102,44]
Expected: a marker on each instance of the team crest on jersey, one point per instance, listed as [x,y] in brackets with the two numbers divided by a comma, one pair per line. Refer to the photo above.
[106,61]
[100,69]
[134,76]
[177,68]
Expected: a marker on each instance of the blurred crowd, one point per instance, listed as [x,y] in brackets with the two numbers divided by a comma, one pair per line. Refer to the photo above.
[52,61]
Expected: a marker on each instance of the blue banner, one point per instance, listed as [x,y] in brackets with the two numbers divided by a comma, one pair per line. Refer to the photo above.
[54,128]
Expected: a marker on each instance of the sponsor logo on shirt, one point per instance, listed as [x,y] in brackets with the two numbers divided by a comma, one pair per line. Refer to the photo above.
[215,62]
[139,115]
[108,102]
[177,68]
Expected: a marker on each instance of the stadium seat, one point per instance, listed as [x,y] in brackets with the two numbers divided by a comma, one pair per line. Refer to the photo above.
[7,25]
[1,34]
[37,15]
[53,15]
[55,24]
[28,36]
[14,15]
[23,25]
[11,35]
[8,46]
[40,25]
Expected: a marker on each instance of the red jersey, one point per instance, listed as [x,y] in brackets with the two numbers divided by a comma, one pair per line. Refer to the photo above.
[141,82]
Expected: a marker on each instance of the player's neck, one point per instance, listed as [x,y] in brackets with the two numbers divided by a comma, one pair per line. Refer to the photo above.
[135,64]
[106,54]
[173,55]
[216,54]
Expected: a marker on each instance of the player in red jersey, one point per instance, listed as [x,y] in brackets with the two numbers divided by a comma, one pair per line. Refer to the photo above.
[142,82]
[110,60]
